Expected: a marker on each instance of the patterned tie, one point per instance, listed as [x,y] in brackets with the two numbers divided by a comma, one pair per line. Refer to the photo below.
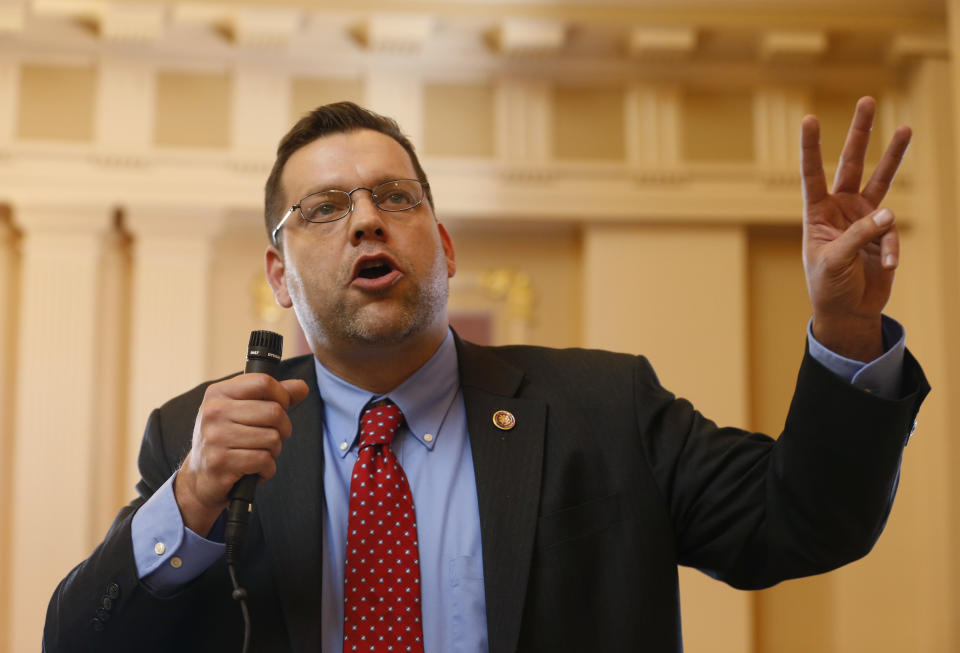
[382,576]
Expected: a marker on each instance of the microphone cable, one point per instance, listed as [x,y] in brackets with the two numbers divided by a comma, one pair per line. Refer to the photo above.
[263,355]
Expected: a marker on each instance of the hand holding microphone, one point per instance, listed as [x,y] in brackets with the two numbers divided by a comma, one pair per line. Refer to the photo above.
[240,429]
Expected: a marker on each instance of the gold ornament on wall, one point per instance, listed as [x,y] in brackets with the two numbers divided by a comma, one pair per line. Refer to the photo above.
[512,286]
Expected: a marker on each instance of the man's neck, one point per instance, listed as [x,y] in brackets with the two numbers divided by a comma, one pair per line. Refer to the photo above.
[380,368]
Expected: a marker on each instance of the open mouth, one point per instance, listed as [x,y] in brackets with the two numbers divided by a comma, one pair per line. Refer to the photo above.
[374,269]
[376,272]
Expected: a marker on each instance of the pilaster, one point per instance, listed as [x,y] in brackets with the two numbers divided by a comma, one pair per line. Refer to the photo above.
[261,109]
[9,98]
[399,96]
[953,16]
[9,276]
[652,124]
[646,290]
[125,103]
[57,389]
[777,115]
[523,122]
[172,254]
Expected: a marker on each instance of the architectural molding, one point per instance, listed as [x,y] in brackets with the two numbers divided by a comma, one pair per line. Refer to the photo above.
[397,32]
[792,46]
[139,23]
[262,27]
[12,17]
[662,42]
[912,46]
[530,36]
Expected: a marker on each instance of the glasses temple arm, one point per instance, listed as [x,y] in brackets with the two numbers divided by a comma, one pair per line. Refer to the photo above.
[273,234]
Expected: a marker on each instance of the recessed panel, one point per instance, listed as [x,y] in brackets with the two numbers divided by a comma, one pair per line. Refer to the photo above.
[193,109]
[56,103]
[835,113]
[717,127]
[306,94]
[458,120]
[588,123]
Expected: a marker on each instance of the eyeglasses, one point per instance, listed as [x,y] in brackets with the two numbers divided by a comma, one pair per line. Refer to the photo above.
[333,205]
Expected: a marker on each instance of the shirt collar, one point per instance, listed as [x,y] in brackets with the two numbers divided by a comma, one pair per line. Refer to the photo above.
[424,399]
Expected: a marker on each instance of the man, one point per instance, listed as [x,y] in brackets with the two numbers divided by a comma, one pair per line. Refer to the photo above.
[554,492]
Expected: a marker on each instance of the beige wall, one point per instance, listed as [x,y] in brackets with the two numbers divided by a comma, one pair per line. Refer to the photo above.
[636,192]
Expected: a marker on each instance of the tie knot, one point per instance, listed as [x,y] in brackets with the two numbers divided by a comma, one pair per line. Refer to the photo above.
[379,423]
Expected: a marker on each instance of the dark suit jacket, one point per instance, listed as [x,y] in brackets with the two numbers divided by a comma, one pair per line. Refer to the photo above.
[606,483]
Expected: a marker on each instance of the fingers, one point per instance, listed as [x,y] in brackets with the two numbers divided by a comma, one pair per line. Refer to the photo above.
[252,386]
[227,466]
[876,189]
[890,249]
[850,167]
[240,429]
[230,435]
[874,227]
[297,389]
[811,161]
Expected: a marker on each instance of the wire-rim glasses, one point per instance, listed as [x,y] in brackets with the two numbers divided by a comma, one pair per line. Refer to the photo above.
[332,205]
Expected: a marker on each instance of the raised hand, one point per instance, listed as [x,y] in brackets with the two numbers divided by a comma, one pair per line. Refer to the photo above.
[850,247]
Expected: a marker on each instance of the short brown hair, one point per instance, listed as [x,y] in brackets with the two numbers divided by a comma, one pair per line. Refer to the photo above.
[335,118]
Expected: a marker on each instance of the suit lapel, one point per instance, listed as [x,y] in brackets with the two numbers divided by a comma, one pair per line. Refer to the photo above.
[508,466]
[289,508]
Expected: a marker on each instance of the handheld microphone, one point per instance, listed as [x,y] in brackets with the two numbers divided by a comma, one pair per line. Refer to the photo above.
[263,355]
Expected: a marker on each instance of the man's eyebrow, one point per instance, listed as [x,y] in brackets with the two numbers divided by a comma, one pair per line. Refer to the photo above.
[380,179]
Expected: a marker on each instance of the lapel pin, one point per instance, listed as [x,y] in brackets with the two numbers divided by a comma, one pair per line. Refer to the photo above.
[504,420]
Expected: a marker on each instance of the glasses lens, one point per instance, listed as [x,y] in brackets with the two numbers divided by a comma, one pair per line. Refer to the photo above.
[325,206]
[398,195]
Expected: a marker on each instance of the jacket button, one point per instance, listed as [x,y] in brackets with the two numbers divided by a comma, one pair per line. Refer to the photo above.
[113,591]
[107,603]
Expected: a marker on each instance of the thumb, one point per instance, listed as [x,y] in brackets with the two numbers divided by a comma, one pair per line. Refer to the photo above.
[858,235]
[298,390]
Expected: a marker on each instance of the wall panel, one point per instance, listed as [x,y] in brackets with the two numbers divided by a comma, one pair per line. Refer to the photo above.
[678,296]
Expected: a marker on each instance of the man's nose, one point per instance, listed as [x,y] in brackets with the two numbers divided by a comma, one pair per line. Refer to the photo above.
[366,220]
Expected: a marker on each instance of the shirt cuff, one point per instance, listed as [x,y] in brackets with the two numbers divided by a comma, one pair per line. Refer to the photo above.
[169,555]
[881,376]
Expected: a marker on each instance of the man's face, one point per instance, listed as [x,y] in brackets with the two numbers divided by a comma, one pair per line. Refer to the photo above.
[373,277]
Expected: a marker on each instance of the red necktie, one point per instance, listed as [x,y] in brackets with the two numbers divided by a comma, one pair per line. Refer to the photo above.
[382,576]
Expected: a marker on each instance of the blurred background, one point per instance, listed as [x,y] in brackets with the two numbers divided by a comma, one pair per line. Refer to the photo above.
[619,174]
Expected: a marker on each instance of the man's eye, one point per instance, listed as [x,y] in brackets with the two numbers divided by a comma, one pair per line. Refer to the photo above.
[398,198]
[328,208]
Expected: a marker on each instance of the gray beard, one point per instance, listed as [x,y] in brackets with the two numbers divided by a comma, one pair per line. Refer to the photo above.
[348,324]
[417,313]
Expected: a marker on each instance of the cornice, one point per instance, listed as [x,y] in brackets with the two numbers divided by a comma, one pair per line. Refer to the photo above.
[489,33]
[465,189]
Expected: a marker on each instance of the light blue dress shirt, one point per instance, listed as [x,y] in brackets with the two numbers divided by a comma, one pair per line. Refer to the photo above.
[434,451]
[444,493]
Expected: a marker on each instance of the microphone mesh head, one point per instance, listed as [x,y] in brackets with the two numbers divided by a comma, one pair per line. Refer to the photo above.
[266,341]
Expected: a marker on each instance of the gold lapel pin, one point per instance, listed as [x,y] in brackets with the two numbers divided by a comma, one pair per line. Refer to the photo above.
[504,420]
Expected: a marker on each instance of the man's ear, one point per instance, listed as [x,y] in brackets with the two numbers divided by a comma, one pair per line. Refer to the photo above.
[448,250]
[277,276]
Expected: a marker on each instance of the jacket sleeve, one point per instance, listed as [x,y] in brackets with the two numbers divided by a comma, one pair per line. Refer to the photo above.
[101,604]
[753,511]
